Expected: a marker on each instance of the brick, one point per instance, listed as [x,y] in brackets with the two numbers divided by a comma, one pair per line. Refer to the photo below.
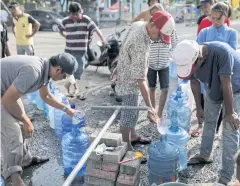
[102,174]
[111,156]
[131,167]
[106,166]
[127,180]
[109,139]
[98,181]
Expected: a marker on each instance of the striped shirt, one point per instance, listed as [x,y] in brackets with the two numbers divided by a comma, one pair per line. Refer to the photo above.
[159,53]
[78,33]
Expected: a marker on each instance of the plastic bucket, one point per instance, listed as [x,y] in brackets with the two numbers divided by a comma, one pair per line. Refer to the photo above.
[174,184]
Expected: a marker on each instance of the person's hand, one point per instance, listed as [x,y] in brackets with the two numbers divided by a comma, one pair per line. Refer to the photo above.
[28,36]
[28,128]
[200,115]
[152,116]
[105,43]
[233,120]
[71,111]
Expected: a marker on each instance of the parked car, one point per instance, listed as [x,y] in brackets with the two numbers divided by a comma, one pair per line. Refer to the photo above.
[47,19]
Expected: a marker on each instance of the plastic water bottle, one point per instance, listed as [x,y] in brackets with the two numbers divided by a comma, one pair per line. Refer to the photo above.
[163,161]
[67,122]
[75,144]
[179,137]
[39,101]
[2,183]
[58,114]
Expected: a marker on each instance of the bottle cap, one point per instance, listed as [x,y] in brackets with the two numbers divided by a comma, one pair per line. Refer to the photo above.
[73,106]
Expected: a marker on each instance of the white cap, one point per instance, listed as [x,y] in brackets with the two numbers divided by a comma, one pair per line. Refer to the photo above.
[185,55]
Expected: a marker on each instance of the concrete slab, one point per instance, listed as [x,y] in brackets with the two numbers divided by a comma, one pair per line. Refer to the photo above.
[131,167]
[109,139]
[111,167]
[111,156]
[98,181]
[98,173]
[127,180]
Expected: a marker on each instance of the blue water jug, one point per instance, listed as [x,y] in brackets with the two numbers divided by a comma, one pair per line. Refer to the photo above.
[184,113]
[39,101]
[179,137]
[58,114]
[75,144]
[67,122]
[163,161]
[32,97]
[173,70]
[2,183]
[179,94]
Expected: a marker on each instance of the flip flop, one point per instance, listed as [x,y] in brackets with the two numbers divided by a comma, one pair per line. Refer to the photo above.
[198,160]
[141,140]
[36,161]
[197,132]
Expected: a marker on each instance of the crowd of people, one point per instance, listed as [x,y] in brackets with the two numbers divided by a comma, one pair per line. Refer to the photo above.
[211,63]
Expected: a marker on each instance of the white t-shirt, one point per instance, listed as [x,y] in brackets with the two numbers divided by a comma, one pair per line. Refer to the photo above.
[4,16]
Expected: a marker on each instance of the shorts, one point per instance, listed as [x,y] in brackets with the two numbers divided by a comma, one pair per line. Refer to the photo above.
[163,75]
[129,118]
[81,62]
[25,50]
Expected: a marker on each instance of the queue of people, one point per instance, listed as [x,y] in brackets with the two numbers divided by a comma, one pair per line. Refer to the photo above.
[145,52]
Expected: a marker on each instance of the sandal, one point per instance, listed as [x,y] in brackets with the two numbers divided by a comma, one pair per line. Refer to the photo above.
[198,160]
[36,161]
[197,132]
[141,140]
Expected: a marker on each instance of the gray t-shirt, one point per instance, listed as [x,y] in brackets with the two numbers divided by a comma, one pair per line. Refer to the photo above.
[221,60]
[26,73]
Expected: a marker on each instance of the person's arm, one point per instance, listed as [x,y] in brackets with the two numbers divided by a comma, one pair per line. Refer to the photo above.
[233,39]
[227,94]
[100,35]
[13,27]
[196,90]
[8,49]
[62,28]
[49,98]
[139,17]
[225,71]
[35,24]
[139,68]
[174,41]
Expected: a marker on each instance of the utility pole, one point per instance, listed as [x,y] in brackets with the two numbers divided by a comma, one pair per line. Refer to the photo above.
[133,9]
[120,11]
[97,12]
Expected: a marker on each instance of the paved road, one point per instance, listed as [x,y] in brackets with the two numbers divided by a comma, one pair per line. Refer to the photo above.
[45,143]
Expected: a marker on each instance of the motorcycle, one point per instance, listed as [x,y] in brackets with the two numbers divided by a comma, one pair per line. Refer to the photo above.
[109,53]
[108,57]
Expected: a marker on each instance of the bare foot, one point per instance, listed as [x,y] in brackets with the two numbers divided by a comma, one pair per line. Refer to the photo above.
[197,132]
[17,180]
[67,86]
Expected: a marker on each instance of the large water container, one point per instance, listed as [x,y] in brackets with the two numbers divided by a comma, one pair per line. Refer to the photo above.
[58,114]
[67,122]
[179,137]
[163,161]
[2,183]
[32,97]
[179,93]
[39,101]
[74,145]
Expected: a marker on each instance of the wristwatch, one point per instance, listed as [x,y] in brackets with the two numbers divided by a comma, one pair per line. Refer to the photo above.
[65,108]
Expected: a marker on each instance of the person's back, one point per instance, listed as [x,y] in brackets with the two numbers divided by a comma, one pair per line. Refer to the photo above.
[12,71]
[213,67]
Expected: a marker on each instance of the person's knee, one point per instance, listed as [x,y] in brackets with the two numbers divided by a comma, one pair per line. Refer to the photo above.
[164,91]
